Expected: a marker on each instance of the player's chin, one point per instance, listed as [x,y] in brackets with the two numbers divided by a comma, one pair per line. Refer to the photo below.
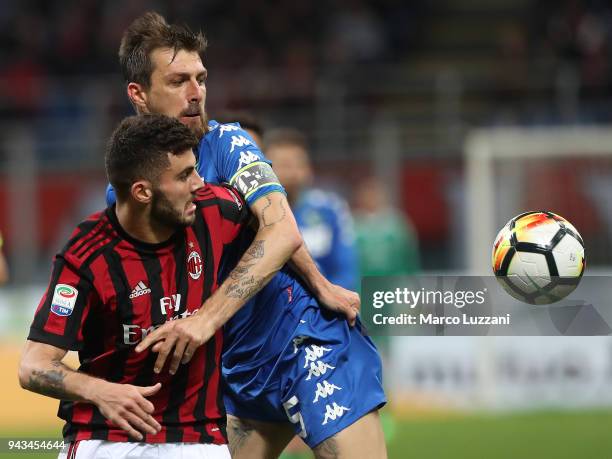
[195,123]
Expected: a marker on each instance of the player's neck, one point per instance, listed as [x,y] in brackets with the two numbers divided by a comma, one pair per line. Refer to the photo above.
[138,224]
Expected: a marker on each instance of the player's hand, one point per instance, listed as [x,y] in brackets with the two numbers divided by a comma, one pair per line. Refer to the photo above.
[177,339]
[340,300]
[127,407]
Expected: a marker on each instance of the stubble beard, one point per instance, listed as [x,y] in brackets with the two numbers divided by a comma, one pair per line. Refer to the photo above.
[202,128]
[164,214]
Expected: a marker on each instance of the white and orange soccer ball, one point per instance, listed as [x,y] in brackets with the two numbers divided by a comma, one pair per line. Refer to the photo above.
[538,257]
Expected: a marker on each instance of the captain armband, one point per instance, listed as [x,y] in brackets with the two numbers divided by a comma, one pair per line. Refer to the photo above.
[254,177]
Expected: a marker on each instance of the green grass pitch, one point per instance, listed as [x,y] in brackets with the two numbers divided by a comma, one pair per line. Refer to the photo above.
[540,435]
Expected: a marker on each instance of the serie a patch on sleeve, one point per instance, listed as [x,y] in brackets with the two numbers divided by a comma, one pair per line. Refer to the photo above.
[64,299]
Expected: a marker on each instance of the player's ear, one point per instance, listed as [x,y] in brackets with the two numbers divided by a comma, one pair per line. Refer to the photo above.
[138,97]
[142,191]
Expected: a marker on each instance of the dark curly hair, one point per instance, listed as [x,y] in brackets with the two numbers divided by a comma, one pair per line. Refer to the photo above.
[138,149]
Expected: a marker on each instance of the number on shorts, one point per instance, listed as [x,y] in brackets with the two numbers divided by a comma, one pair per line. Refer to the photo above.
[297,417]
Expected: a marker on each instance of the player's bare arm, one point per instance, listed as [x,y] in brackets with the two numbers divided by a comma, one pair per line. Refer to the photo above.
[41,370]
[267,254]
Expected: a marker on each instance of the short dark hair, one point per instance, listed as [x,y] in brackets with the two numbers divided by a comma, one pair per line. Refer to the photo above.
[285,136]
[246,120]
[147,33]
[138,149]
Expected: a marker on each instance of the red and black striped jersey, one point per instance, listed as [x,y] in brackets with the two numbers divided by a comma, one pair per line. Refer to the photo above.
[108,290]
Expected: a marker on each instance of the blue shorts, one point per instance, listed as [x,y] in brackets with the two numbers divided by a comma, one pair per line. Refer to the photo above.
[326,377]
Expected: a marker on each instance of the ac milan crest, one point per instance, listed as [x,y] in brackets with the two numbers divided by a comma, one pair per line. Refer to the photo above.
[194,265]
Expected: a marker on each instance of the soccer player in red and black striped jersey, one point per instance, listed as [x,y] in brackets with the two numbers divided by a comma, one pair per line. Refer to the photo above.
[152,257]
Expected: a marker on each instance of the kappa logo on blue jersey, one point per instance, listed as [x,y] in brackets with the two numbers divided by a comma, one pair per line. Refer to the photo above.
[239,141]
[64,299]
[246,158]
[223,128]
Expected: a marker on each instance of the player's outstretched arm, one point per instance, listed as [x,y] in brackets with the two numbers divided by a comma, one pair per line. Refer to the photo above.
[41,370]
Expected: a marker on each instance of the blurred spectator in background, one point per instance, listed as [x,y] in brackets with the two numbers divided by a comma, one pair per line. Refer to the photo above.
[4,274]
[357,33]
[388,246]
[322,216]
[386,241]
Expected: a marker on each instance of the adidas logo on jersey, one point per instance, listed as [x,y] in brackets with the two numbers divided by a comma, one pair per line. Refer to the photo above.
[139,290]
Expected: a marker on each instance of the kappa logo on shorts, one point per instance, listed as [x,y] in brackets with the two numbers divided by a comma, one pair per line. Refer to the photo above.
[324,390]
[318,368]
[333,412]
[314,353]
[64,299]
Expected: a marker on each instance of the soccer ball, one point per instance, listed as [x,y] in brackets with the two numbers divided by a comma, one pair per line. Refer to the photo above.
[538,257]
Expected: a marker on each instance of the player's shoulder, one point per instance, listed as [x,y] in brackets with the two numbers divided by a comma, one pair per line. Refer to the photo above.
[221,195]
[232,145]
[228,137]
[90,239]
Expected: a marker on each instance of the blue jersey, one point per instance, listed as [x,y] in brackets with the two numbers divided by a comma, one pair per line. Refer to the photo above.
[327,227]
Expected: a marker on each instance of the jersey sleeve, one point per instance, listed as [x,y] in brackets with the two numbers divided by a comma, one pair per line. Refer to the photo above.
[242,164]
[233,212]
[63,309]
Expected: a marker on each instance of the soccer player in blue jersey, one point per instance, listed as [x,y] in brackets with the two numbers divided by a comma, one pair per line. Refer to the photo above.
[164,72]
[322,216]
[289,366]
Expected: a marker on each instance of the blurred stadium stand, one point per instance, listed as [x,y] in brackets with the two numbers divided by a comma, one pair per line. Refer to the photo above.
[382,86]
